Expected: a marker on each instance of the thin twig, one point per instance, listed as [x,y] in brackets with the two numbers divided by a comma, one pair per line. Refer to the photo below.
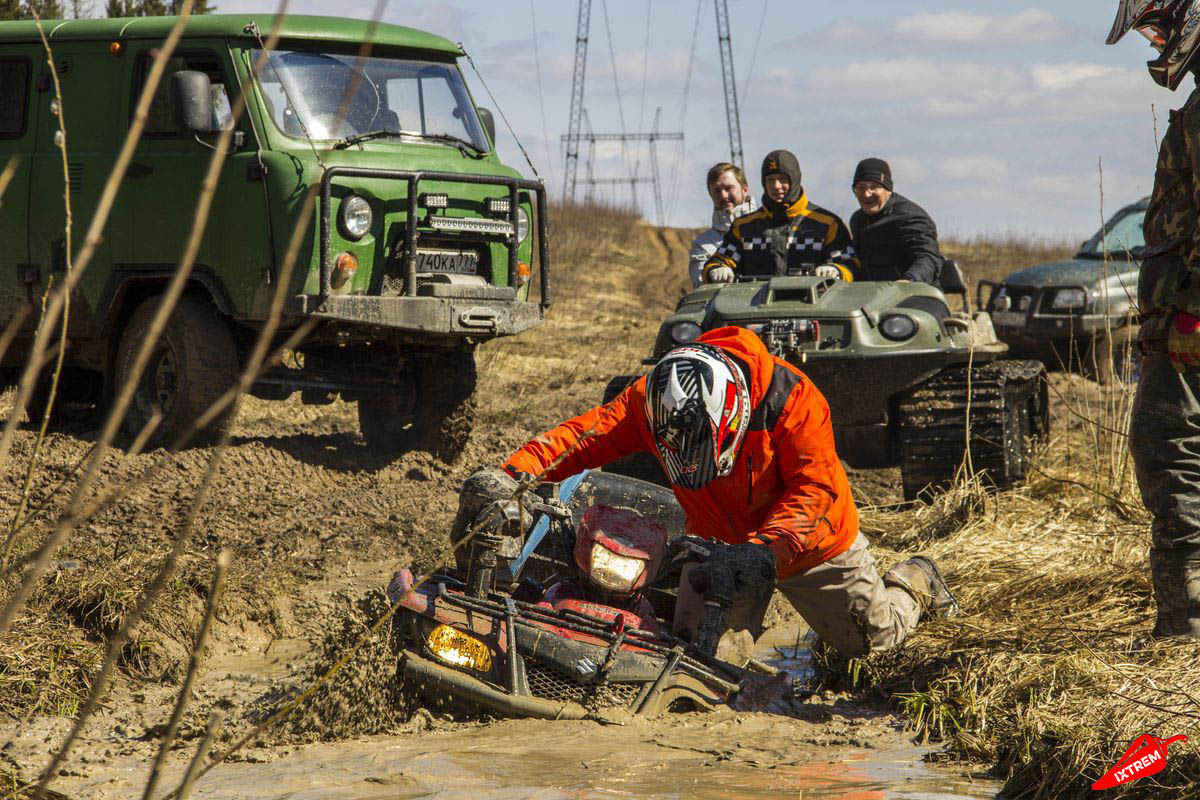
[185,690]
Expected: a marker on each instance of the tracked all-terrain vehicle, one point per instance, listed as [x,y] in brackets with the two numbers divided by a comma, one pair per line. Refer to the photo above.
[909,382]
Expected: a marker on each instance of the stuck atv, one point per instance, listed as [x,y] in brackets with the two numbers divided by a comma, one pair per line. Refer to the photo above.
[564,611]
[910,383]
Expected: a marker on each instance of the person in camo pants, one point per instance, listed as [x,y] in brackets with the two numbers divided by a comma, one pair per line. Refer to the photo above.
[1164,434]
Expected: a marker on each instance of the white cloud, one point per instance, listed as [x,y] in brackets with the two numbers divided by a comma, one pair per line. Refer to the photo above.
[964,28]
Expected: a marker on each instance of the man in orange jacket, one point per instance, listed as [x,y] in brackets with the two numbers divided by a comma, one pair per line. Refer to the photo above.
[746,441]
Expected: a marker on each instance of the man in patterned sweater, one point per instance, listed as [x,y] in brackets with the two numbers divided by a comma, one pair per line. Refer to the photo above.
[787,236]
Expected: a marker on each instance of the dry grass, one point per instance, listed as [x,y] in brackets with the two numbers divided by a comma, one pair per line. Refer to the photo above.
[995,257]
[1049,674]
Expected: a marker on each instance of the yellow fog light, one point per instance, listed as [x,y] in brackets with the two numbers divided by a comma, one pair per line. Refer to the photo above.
[459,649]
[344,269]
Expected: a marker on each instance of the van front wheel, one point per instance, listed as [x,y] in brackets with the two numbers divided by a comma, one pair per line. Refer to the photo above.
[436,413]
[191,365]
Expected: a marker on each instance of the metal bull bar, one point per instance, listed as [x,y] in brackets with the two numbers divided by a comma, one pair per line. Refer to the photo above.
[411,233]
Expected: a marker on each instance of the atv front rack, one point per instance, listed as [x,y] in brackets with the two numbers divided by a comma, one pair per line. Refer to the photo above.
[618,664]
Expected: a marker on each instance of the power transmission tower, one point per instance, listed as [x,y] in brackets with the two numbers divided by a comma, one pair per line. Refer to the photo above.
[573,125]
[731,104]
[651,138]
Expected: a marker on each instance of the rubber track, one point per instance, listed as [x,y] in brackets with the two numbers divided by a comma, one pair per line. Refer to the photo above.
[933,421]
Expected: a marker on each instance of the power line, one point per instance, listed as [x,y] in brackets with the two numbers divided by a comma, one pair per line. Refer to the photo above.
[541,99]
[754,57]
[612,55]
[687,87]
[725,44]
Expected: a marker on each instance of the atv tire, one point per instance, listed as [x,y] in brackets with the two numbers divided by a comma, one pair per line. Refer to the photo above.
[438,417]
[615,386]
[193,363]
[1008,411]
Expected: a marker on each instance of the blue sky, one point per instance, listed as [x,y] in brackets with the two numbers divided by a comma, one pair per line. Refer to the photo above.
[995,116]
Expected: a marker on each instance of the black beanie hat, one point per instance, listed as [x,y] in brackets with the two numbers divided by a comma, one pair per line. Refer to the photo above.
[784,163]
[874,169]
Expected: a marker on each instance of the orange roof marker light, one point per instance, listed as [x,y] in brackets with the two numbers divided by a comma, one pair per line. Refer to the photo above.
[117,49]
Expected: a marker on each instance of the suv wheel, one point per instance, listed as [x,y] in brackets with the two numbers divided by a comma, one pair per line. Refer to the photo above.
[437,414]
[193,363]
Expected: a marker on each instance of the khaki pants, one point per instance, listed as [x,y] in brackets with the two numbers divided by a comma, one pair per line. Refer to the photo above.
[843,600]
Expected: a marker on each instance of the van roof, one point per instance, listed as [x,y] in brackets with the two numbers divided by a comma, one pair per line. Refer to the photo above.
[295,26]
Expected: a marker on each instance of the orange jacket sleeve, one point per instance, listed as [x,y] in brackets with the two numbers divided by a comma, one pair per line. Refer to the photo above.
[803,442]
[593,439]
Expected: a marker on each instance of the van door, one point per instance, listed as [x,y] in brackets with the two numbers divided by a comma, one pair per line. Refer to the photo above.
[18,126]
[89,76]
[168,171]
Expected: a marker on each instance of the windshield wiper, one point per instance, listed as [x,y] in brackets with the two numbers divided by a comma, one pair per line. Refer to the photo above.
[463,145]
[364,137]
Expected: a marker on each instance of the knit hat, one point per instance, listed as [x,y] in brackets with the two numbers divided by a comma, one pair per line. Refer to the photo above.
[782,162]
[874,169]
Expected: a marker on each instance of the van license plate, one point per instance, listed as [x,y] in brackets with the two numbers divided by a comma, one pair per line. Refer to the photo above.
[459,261]
[1009,319]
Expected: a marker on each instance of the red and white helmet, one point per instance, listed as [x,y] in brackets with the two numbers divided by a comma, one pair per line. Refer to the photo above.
[698,405]
[1172,26]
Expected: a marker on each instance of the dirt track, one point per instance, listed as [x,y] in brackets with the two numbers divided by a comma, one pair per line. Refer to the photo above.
[313,518]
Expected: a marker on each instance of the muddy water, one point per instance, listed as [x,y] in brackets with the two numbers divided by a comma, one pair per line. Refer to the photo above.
[751,756]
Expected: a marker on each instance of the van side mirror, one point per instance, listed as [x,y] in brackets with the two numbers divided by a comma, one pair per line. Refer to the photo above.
[192,101]
[489,124]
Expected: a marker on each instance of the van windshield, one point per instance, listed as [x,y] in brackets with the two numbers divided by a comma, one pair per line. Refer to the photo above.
[1121,237]
[304,89]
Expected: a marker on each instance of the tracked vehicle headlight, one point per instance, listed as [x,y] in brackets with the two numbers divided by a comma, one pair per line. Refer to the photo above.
[458,649]
[684,332]
[898,327]
[355,217]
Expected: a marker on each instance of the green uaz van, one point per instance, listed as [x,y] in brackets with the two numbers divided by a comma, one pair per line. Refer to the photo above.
[420,245]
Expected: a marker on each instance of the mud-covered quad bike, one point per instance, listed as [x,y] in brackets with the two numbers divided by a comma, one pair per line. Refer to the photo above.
[906,378]
[556,624]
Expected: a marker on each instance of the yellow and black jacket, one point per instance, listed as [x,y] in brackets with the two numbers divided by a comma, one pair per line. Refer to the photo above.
[788,242]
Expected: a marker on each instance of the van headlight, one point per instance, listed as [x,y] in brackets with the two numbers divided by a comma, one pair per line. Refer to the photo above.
[522,225]
[1069,298]
[355,217]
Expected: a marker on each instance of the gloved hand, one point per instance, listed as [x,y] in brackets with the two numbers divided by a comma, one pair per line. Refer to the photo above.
[484,487]
[828,271]
[1183,344]
[752,567]
[719,275]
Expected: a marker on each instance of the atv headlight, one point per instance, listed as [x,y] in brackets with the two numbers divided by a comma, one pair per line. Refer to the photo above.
[684,332]
[898,326]
[1069,298]
[614,572]
[458,649]
[355,217]
[522,225]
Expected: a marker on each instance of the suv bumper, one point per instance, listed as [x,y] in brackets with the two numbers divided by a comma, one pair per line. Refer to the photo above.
[483,316]
[1039,329]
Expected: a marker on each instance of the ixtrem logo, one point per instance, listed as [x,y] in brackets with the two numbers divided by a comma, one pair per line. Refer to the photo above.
[1146,755]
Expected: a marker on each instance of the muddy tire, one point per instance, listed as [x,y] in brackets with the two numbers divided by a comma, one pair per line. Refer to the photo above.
[438,417]
[1007,414]
[1119,363]
[77,401]
[193,364]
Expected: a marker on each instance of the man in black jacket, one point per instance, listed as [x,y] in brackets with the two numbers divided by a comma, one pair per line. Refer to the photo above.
[893,237]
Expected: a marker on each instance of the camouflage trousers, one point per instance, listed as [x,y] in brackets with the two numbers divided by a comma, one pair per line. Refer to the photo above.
[1164,439]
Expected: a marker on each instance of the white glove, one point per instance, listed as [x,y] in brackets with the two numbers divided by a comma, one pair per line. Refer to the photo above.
[827,271]
[720,275]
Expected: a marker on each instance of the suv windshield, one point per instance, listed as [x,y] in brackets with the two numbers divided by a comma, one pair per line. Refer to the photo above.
[304,89]
[1121,237]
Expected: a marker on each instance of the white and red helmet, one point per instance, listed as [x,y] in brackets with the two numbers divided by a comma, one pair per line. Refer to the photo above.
[698,405]
[1172,26]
